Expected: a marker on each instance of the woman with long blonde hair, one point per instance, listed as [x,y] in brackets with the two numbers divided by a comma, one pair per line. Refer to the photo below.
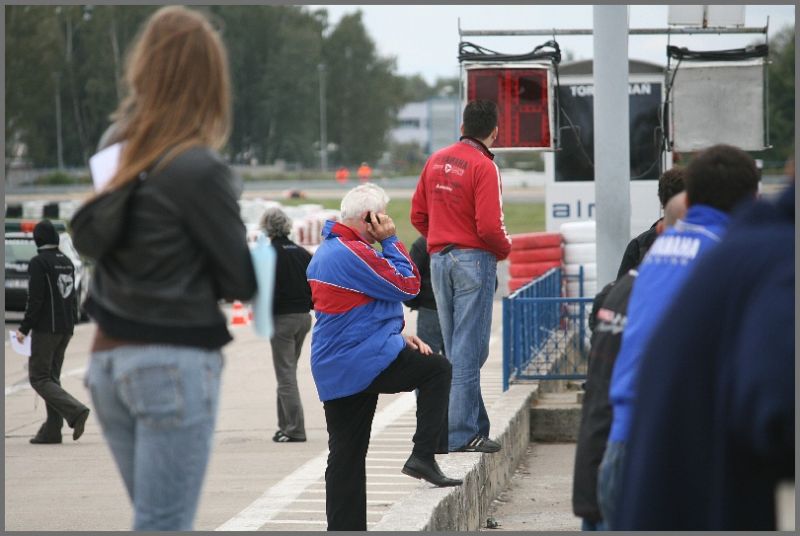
[156,362]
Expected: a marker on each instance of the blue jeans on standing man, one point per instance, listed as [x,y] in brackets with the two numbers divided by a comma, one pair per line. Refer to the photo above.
[463,284]
[157,405]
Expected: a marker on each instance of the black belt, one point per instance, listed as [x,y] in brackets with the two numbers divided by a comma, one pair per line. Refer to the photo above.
[447,249]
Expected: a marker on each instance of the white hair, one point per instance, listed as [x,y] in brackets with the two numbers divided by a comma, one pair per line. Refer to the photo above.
[367,197]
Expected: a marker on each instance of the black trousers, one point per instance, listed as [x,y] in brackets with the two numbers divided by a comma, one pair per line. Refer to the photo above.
[44,373]
[349,422]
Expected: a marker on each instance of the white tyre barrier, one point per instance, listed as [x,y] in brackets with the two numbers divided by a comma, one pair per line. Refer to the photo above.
[581,253]
[589,271]
[589,289]
[67,209]
[33,209]
[579,232]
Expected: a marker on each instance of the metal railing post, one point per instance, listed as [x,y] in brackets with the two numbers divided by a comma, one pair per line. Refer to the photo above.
[507,323]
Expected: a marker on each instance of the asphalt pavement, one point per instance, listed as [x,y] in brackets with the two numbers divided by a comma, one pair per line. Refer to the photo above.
[252,482]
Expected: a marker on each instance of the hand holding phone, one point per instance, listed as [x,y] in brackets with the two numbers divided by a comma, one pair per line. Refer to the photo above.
[380,226]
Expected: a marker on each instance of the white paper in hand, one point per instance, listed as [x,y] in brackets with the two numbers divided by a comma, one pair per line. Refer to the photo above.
[103,165]
[22,348]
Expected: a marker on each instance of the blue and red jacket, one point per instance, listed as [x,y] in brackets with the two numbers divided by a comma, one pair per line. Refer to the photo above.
[358,294]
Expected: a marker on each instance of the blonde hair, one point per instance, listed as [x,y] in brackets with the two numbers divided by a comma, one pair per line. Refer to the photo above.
[179,93]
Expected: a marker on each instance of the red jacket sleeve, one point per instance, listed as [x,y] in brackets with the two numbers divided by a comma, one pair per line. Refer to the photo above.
[489,210]
[419,205]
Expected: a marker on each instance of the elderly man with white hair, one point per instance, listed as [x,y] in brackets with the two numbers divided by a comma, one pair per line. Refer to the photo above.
[358,351]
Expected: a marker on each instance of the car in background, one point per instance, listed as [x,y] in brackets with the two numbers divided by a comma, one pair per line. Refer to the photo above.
[20,248]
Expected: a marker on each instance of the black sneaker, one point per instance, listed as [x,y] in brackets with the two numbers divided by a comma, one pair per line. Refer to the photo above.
[280,437]
[480,444]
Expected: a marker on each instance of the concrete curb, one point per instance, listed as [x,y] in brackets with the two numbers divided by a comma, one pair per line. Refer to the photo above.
[485,475]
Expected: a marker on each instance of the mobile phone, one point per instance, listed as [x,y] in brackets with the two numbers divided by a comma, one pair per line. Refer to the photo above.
[368,220]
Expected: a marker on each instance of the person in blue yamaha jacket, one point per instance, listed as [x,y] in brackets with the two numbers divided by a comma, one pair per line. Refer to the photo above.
[713,433]
[358,351]
[717,180]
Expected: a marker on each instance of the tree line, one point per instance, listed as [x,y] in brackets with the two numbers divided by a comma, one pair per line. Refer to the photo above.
[64,66]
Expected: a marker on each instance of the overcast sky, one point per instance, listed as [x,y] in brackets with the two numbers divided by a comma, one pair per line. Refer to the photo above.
[424,39]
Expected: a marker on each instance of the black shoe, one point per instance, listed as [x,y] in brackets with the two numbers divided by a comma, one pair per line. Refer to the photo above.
[38,440]
[80,422]
[417,467]
[480,444]
[280,437]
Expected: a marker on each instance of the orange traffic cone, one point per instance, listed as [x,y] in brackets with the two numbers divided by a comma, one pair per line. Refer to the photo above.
[239,318]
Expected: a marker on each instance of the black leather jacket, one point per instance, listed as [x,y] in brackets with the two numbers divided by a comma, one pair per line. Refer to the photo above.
[183,250]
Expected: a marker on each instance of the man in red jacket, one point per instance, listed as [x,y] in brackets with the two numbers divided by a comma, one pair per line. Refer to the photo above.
[458,207]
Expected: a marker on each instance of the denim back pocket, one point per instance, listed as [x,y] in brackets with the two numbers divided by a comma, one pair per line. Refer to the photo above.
[154,395]
[467,273]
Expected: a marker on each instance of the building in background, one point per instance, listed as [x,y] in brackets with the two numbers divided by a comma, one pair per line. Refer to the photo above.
[431,124]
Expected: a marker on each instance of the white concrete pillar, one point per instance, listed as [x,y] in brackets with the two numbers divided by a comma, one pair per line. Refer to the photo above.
[611,139]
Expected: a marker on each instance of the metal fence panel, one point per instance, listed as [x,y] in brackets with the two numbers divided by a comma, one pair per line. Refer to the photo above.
[545,335]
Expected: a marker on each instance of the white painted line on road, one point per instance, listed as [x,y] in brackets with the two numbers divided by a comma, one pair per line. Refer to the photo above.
[370,459]
[376,502]
[292,486]
[401,492]
[369,512]
[10,390]
[295,522]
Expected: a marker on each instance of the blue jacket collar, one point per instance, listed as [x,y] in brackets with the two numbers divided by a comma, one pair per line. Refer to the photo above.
[334,229]
[706,216]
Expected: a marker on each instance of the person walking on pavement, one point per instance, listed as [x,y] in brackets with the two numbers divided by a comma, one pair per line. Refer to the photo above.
[156,362]
[291,305]
[458,207]
[424,303]
[50,315]
[358,351]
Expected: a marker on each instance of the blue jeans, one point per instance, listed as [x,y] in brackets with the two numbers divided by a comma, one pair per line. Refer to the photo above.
[428,329]
[609,482]
[157,406]
[463,284]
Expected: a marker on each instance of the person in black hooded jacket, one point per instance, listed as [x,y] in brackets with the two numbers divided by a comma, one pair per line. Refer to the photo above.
[50,316]
[670,184]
